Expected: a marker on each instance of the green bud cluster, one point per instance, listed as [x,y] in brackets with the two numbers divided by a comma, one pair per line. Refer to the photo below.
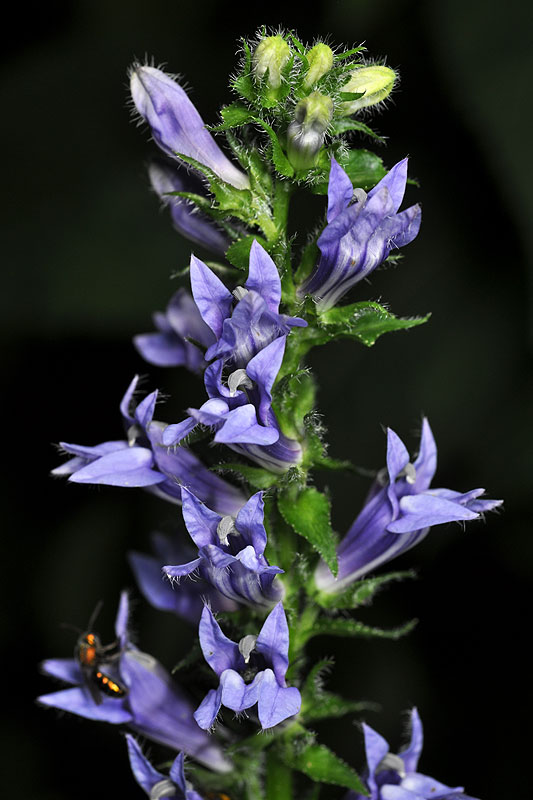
[301,96]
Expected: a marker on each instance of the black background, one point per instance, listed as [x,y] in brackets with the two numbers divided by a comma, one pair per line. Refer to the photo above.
[87,258]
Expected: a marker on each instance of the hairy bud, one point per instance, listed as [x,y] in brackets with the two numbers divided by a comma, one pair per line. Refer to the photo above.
[271,54]
[375,81]
[320,60]
[305,135]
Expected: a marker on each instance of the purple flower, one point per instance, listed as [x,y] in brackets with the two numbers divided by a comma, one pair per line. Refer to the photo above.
[187,220]
[394,777]
[177,127]
[189,601]
[230,551]
[248,320]
[154,783]
[149,702]
[143,461]
[263,659]
[171,347]
[399,512]
[360,235]
[247,356]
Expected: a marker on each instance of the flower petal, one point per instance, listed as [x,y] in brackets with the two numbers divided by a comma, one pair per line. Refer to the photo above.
[219,651]
[273,642]
[263,277]
[276,703]
[214,301]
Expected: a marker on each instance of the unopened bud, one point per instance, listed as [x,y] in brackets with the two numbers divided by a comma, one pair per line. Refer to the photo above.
[272,54]
[375,81]
[320,60]
[305,135]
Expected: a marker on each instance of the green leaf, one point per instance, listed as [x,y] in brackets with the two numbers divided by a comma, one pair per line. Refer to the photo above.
[332,706]
[234,116]
[319,704]
[294,398]
[243,83]
[308,512]
[362,592]
[346,124]
[348,53]
[337,626]
[238,253]
[347,96]
[365,321]
[364,168]
[256,476]
[229,198]
[280,160]
[322,765]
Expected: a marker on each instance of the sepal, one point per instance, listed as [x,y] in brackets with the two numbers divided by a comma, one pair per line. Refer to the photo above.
[365,321]
[338,626]
[320,764]
[318,704]
[308,511]
[362,592]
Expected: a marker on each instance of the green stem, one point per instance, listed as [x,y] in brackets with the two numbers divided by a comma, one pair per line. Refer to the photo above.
[278,778]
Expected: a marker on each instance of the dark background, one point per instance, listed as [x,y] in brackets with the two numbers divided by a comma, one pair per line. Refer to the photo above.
[88,257]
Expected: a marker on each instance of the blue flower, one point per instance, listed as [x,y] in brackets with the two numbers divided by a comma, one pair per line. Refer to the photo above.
[189,601]
[248,320]
[171,346]
[399,512]
[230,552]
[154,783]
[394,777]
[177,127]
[143,461]
[359,236]
[264,657]
[149,702]
[187,220]
[246,358]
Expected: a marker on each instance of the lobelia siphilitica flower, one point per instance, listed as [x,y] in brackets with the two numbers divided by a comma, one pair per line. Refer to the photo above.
[254,565]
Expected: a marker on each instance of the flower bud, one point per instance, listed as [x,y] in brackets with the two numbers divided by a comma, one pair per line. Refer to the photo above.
[320,60]
[272,54]
[375,81]
[305,135]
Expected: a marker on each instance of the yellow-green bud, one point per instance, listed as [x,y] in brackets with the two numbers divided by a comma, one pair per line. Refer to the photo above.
[272,54]
[305,135]
[320,60]
[375,81]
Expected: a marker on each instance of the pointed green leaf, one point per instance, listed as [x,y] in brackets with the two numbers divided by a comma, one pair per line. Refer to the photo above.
[319,704]
[243,83]
[236,201]
[337,626]
[347,96]
[280,160]
[294,398]
[323,766]
[332,706]
[362,592]
[365,321]
[346,124]
[233,116]
[256,476]
[363,167]
[349,53]
[308,512]
[238,253]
